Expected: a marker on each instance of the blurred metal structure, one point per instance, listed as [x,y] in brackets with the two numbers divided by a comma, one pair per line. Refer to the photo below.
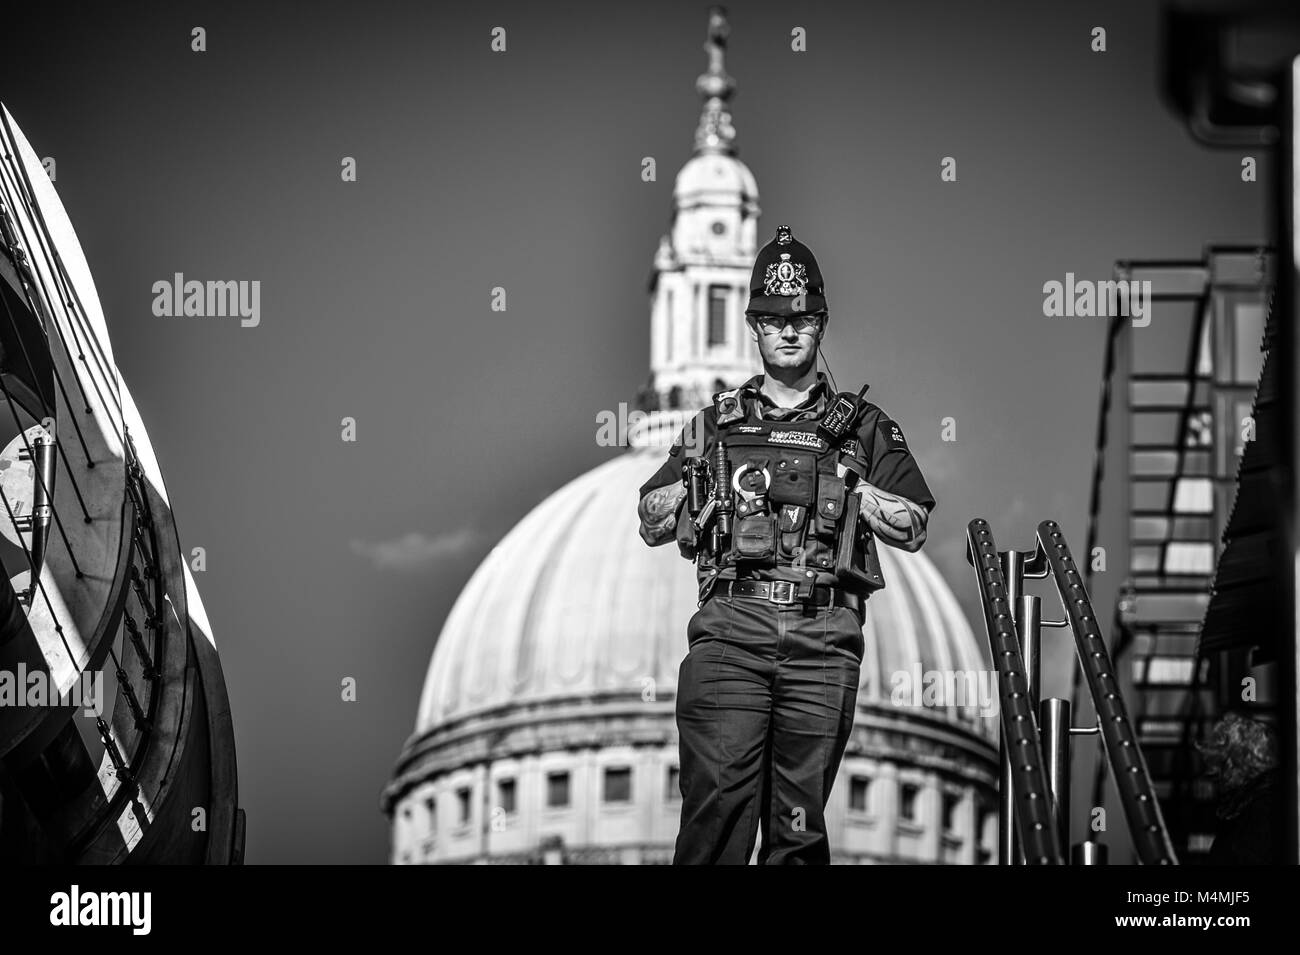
[1195,471]
[1175,417]
[127,753]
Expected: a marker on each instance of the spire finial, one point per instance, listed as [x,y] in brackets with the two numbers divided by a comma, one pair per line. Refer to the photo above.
[715,133]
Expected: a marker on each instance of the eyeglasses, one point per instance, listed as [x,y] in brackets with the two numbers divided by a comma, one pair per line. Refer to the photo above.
[802,323]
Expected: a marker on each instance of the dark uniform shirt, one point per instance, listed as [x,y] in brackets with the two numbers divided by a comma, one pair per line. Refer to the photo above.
[879,446]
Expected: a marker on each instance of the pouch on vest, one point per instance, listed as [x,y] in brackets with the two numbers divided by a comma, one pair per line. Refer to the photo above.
[830,505]
[855,573]
[794,479]
[790,523]
[754,537]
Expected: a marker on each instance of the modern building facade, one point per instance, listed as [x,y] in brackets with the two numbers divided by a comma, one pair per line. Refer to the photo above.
[116,741]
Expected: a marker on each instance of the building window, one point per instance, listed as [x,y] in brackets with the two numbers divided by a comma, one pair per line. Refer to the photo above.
[673,791]
[907,801]
[1248,333]
[859,793]
[506,795]
[670,320]
[618,784]
[718,314]
[431,806]
[1164,670]
[462,803]
[951,803]
[557,790]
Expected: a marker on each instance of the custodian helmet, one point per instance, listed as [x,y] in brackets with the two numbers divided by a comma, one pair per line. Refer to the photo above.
[786,278]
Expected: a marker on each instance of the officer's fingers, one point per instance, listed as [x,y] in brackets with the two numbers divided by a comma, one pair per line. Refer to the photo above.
[889,532]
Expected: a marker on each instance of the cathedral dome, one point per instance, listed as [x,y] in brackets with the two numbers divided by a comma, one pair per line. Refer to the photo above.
[573,604]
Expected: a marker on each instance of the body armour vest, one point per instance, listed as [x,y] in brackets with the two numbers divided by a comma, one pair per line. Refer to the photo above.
[790,511]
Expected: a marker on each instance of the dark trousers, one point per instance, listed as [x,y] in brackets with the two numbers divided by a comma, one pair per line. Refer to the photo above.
[765,703]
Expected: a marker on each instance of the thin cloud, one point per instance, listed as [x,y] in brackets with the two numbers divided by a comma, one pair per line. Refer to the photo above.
[415,551]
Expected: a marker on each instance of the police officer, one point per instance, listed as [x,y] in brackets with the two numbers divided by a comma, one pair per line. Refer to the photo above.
[790,486]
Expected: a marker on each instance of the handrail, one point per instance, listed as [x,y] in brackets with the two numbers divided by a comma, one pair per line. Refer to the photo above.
[1034,812]
[1123,754]
[149,590]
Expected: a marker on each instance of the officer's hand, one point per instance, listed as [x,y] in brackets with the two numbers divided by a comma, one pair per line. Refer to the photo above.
[658,513]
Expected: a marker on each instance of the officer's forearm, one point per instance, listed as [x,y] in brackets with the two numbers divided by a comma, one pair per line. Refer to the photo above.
[893,518]
[658,513]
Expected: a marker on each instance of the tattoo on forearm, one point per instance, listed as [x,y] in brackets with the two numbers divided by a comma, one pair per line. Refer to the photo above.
[658,513]
[894,519]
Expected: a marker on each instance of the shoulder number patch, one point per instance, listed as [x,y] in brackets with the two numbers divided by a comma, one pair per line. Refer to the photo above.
[892,433]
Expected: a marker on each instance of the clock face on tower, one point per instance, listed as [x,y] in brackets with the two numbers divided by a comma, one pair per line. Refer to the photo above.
[719,228]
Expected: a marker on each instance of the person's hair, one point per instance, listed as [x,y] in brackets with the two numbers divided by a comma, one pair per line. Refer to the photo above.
[1240,749]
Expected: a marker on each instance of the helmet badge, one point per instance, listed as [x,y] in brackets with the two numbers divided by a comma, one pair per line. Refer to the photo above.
[785,277]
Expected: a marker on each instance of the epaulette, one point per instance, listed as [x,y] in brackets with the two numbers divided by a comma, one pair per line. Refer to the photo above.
[728,406]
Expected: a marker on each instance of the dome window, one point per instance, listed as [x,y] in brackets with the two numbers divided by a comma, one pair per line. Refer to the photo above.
[557,790]
[618,784]
[951,803]
[673,789]
[859,794]
[506,796]
[462,803]
[907,802]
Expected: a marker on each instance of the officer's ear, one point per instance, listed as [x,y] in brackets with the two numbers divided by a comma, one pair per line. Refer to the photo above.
[752,322]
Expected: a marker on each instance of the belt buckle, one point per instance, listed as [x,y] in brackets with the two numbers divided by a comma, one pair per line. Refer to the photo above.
[782,587]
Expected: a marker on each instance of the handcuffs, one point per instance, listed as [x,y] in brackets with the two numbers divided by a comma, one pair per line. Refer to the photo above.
[749,501]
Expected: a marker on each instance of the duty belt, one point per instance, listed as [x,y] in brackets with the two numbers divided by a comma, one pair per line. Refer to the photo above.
[786,593]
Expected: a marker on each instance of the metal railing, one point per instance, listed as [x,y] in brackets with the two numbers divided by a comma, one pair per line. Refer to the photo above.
[1036,734]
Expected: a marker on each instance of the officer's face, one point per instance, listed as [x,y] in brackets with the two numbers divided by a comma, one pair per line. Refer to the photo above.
[787,343]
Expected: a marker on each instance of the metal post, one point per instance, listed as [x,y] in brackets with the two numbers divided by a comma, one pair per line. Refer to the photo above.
[1029,627]
[1054,719]
[1088,853]
[42,449]
[1013,569]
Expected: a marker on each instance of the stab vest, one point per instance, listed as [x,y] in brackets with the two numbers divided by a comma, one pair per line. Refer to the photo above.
[789,501]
